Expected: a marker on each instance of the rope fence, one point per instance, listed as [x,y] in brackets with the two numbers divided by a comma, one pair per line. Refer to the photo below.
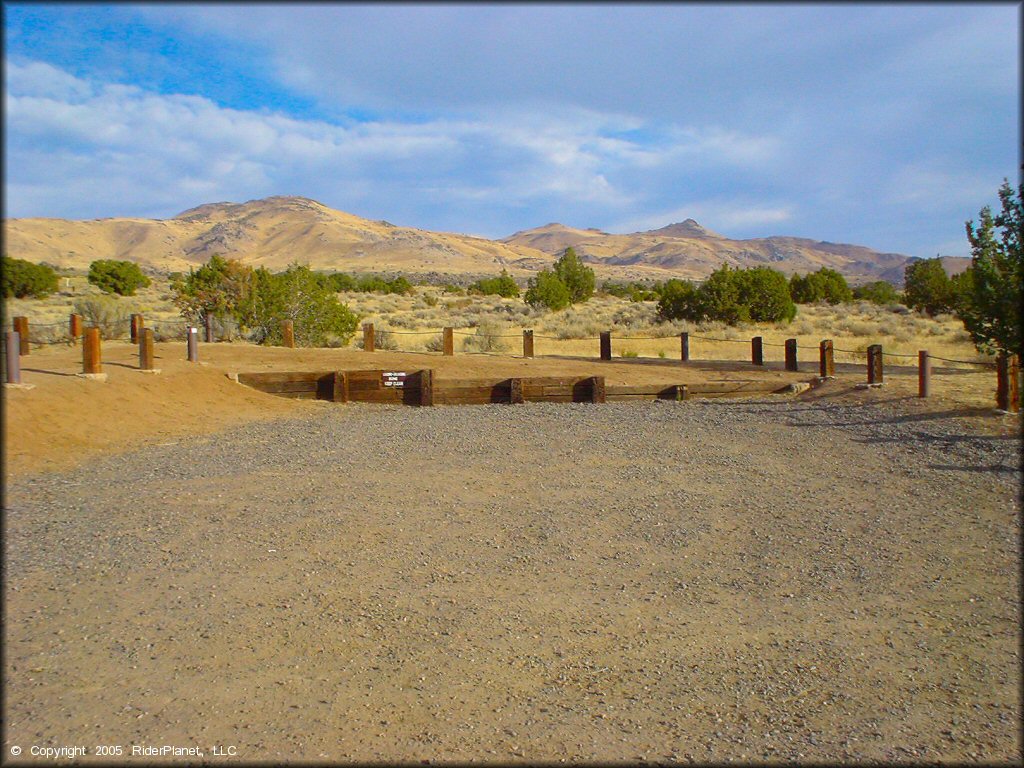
[25,335]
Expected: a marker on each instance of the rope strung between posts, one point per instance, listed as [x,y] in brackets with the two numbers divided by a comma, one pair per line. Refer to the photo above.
[984,363]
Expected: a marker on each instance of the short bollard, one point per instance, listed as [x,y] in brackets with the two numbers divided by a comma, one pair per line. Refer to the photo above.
[515,391]
[193,344]
[757,350]
[448,341]
[527,343]
[368,337]
[21,326]
[597,390]
[606,345]
[288,333]
[924,374]
[75,328]
[826,355]
[427,387]
[13,357]
[684,346]
[875,372]
[1007,388]
[791,362]
[91,353]
[146,349]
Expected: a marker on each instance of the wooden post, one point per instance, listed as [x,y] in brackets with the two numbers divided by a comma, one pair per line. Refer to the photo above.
[682,392]
[340,394]
[193,344]
[13,357]
[515,393]
[527,343]
[606,345]
[21,326]
[288,333]
[368,337]
[75,328]
[91,355]
[597,392]
[1007,388]
[427,387]
[826,353]
[136,327]
[448,341]
[791,362]
[208,325]
[757,350]
[146,349]
[875,372]
[684,346]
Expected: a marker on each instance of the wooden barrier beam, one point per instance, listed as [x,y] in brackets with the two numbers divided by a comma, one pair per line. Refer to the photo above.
[1007,386]
[92,362]
[13,357]
[448,341]
[597,391]
[528,343]
[288,333]
[146,349]
[684,346]
[368,337]
[606,345]
[791,361]
[515,391]
[924,374]
[75,328]
[427,387]
[757,350]
[192,344]
[21,326]
[876,374]
[827,361]
[136,326]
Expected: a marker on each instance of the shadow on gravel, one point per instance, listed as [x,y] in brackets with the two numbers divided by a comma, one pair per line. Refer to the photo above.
[998,468]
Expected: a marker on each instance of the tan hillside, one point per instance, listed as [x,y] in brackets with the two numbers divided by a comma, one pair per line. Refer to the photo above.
[691,251]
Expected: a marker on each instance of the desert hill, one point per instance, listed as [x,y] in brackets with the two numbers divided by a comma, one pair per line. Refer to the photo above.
[689,250]
[276,231]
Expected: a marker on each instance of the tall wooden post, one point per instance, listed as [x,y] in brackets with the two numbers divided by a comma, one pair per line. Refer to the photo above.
[527,343]
[193,344]
[427,387]
[924,374]
[75,328]
[757,350]
[208,327]
[21,326]
[1007,388]
[597,391]
[91,354]
[146,349]
[13,357]
[606,345]
[448,341]
[515,391]
[791,362]
[137,325]
[368,337]
[340,394]
[288,333]
[826,355]
[875,372]
[684,346]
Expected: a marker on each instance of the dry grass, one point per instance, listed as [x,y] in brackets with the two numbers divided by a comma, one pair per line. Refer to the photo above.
[414,323]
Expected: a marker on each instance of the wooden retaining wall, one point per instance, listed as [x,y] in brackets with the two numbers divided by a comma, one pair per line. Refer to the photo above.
[421,388]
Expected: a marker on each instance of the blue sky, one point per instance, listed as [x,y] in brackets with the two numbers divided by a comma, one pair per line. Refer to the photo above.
[874,124]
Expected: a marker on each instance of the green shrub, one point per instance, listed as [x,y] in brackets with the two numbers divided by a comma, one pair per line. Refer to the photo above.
[824,285]
[927,287]
[731,296]
[120,277]
[22,279]
[878,292]
[547,290]
[578,279]
[502,285]
[487,338]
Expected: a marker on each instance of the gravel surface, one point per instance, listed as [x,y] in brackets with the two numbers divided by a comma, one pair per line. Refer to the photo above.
[760,579]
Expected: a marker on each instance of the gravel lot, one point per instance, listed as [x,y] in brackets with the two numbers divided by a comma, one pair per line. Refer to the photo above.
[774,579]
